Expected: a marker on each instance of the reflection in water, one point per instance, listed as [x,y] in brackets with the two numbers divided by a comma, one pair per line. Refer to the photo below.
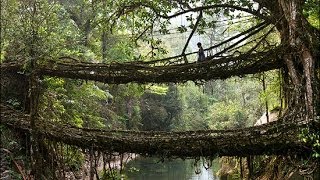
[151,169]
[204,175]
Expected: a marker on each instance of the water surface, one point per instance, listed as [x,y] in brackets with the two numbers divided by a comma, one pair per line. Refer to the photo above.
[152,169]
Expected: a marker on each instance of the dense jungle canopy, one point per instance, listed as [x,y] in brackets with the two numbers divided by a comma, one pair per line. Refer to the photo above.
[83,73]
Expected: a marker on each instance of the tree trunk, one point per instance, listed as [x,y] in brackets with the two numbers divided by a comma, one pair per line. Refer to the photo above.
[87,29]
[300,38]
[104,45]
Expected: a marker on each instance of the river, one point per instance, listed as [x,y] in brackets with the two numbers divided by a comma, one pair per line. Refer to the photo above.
[151,169]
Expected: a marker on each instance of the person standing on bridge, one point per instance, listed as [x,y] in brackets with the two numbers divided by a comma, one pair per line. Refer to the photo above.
[201,56]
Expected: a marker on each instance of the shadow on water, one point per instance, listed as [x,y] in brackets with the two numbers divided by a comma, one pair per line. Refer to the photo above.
[151,169]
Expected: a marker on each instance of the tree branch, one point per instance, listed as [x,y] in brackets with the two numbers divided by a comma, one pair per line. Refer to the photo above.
[238,42]
[202,8]
[263,24]
[75,18]
[192,32]
[268,4]
[131,7]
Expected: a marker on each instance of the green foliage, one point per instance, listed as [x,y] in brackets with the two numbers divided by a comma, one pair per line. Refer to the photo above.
[231,96]
[194,108]
[73,158]
[161,90]
[273,88]
[121,51]
[125,106]
[55,29]
[220,104]
[13,149]
[311,137]
[46,30]
[113,174]
[37,28]
[160,111]
[73,102]
[312,11]
[228,115]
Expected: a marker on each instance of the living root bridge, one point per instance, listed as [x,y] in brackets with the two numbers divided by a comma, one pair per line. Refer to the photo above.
[161,71]
[273,138]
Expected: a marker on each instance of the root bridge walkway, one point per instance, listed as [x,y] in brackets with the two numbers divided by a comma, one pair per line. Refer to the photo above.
[173,69]
[274,138]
